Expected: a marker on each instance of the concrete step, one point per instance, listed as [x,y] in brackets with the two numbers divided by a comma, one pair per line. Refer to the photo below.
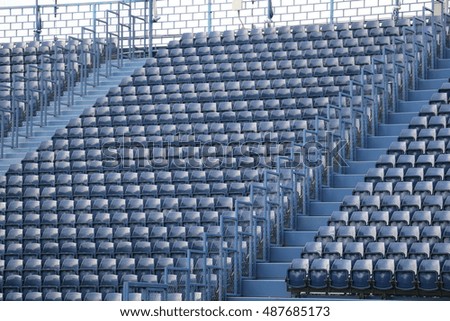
[380,141]
[284,253]
[298,238]
[410,106]
[443,63]
[401,118]
[7,162]
[421,94]
[438,73]
[67,113]
[323,208]
[358,167]
[391,129]
[310,223]
[347,180]
[369,154]
[335,194]
[431,83]
[272,270]
[265,288]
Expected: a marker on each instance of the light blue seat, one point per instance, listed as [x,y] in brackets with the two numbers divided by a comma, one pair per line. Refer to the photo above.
[297,274]
[361,275]
[340,274]
[319,273]
[383,274]
[406,274]
[428,275]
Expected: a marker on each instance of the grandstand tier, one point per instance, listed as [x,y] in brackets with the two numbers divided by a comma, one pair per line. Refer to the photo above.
[264,163]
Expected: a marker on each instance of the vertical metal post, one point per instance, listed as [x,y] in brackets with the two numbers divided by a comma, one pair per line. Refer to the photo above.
[150,28]
[145,28]
[209,15]
[94,18]
[38,22]
[331,11]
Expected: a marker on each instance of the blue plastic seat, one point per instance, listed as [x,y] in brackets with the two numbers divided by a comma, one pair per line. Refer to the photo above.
[428,275]
[325,234]
[383,274]
[72,296]
[319,273]
[339,274]
[406,274]
[53,296]
[387,234]
[361,275]
[346,234]
[312,250]
[297,274]
[338,218]
[332,251]
[445,276]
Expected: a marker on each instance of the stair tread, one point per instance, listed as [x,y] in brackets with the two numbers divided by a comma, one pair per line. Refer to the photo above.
[67,113]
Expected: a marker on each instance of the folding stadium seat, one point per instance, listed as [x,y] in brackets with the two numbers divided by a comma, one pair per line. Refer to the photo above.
[419,252]
[297,274]
[312,250]
[374,175]
[409,234]
[390,203]
[361,275]
[374,251]
[383,188]
[109,284]
[383,274]
[445,276]
[89,283]
[405,275]
[14,296]
[431,235]
[359,218]
[387,234]
[325,234]
[421,219]
[332,251]
[345,234]
[51,283]
[441,218]
[397,251]
[319,273]
[338,218]
[339,274]
[145,266]
[113,297]
[353,251]
[53,296]
[366,234]
[72,296]
[428,275]
[350,203]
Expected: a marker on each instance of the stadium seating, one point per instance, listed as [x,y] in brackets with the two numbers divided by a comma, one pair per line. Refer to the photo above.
[157,171]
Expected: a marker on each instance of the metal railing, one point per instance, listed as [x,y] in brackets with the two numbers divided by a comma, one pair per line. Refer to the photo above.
[190,16]
[407,59]
[272,207]
[53,80]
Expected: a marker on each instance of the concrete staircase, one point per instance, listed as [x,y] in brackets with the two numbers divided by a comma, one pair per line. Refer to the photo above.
[40,134]
[270,277]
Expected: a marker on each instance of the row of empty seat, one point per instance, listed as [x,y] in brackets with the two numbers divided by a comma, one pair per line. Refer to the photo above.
[385,277]
[150,171]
